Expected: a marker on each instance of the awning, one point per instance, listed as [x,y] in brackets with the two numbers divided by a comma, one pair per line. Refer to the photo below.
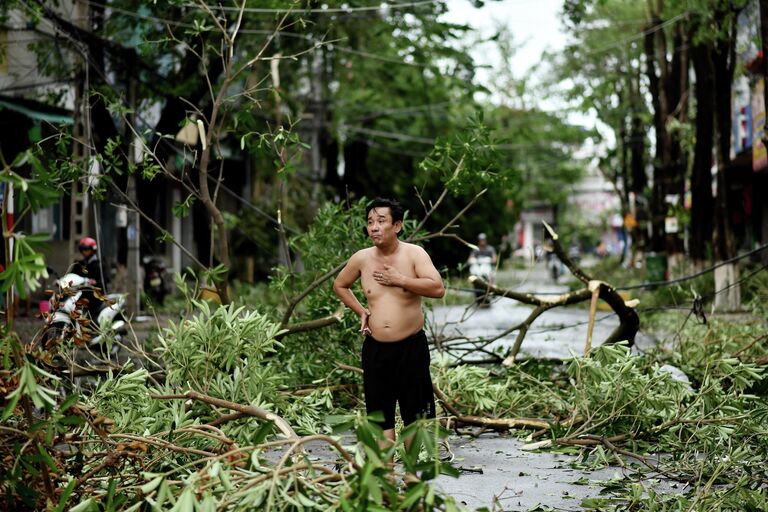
[36,111]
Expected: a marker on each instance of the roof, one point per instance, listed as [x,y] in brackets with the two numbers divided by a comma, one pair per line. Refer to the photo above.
[37,110]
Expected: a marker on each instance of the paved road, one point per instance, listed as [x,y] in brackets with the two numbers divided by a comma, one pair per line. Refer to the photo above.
[556,334]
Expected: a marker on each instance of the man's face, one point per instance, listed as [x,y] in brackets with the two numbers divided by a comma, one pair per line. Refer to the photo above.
[381,229]
[86,252]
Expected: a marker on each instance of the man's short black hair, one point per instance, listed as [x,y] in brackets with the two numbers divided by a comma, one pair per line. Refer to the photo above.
[382,202]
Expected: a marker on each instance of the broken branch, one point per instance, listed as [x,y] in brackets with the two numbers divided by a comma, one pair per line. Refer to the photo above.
[250,410]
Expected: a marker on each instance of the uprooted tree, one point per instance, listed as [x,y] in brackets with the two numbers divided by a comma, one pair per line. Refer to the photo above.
[594,289]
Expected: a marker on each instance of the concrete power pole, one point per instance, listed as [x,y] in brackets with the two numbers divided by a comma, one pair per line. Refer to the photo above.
[133,231]
[318,121]
[79,225]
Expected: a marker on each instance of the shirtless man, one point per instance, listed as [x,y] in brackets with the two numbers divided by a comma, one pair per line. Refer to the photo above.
[395,357]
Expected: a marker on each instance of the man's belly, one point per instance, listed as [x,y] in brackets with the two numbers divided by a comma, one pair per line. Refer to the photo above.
[395,322]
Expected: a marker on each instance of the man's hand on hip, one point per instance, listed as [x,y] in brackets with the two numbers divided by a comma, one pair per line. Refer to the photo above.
[364,329]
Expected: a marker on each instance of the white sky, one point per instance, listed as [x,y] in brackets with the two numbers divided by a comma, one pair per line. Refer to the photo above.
[534,24]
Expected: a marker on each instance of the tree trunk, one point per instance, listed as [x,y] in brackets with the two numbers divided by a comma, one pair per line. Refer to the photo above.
[703,203]
[727,289]
[639,182]
[659,115]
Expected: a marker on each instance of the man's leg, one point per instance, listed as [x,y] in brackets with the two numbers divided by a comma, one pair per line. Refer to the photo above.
[379,393]
[415,393]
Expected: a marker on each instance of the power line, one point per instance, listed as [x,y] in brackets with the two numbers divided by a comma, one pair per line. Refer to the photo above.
[654,284]
[431,141]
[307,37]
[634,37]
[23,87]
[325,10]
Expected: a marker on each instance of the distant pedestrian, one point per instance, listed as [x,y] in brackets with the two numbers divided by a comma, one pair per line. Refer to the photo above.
[482,264]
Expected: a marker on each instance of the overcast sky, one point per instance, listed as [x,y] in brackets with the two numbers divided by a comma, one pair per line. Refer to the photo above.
[534,24]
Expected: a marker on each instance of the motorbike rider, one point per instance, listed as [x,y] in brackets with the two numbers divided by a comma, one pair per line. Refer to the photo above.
[90,267]
[484,251]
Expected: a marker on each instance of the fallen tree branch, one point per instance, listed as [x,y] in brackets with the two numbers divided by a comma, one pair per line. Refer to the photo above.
[309,391]
[493,423]
[629,321]
[310,325]
[226,418]
[250,410]
[481,421]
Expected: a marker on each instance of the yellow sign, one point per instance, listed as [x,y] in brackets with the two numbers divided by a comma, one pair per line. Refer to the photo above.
[629,221]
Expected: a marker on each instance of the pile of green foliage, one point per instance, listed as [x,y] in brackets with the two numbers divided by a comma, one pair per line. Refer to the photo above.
[703,433]
[145,440]
[172,434]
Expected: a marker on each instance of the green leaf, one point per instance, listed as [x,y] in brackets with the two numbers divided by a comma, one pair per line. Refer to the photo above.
[85,506]
[46,457]
[65,495]
[151,485]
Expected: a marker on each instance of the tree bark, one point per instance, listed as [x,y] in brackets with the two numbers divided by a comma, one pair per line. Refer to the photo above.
[659,117]
[702,200]
[728,295]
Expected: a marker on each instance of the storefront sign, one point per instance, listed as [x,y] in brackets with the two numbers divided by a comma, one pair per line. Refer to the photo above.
[671,225]
[759,152]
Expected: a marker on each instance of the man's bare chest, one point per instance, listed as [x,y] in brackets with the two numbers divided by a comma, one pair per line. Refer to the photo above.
[372,288]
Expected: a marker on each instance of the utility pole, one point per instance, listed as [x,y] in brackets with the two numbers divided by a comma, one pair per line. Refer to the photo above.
[133,231]
[317,108]
[284,255]
[79,203]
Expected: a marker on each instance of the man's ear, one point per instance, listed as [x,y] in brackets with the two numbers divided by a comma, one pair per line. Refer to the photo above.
[399,227]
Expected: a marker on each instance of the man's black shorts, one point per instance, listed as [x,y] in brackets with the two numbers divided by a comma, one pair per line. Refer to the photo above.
[398,372]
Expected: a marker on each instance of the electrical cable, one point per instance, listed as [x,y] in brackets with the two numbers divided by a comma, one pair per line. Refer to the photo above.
[327,10]
[639,35]
[24,87]
[668,282]
[307,37]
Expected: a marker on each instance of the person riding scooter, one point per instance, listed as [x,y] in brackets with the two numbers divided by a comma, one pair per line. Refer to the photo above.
[90,267]
[482,263]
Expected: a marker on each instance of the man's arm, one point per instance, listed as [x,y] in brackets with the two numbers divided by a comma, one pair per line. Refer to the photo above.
[427,282]
[342,284]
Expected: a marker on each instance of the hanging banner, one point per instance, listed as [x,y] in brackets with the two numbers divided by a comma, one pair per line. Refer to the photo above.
[759,152]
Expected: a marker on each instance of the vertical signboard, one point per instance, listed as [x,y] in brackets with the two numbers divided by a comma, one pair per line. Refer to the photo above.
[759,152]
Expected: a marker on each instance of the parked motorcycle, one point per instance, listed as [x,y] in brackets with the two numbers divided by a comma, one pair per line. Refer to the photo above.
[155,279]
[482,267]
[66,311]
